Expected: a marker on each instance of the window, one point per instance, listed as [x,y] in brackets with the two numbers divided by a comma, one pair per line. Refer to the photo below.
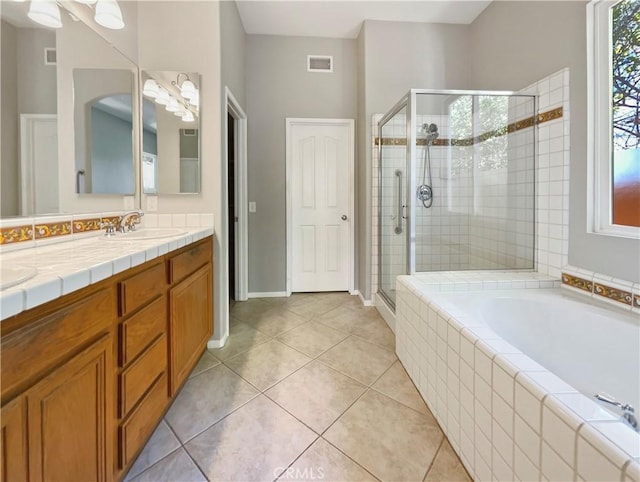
[614,115]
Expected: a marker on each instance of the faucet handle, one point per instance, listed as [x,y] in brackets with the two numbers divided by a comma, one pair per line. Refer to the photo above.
[611,401]
[110,228]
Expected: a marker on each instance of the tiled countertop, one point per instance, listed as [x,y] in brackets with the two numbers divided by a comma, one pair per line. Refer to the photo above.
[70,266]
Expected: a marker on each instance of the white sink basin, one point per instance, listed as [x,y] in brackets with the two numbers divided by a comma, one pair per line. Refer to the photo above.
[154,233]
[11,275]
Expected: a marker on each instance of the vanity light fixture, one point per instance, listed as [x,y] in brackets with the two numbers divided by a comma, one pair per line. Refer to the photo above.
[45,12]
[151,88]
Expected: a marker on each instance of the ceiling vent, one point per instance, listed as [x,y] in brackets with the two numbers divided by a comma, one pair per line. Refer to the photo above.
[319,63]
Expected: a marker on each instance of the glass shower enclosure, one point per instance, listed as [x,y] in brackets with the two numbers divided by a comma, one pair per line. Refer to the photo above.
[456,186]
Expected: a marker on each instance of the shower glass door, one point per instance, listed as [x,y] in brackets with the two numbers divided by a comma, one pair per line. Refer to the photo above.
[392,228]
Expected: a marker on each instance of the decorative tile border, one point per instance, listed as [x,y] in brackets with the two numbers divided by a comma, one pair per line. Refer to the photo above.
[614,294]
[86,225]
[513,127]
[50,230]
[575,282]
[16,234]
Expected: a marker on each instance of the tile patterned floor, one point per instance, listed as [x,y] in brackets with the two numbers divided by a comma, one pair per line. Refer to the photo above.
[307,388]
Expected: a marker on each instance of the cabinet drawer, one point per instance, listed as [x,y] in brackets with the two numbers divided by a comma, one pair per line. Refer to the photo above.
[141,288]
[49,341]
[133,433]
[187,262]
[136,379]
[141,328]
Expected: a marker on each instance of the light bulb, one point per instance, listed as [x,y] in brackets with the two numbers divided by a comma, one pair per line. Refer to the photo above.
[188,89]
[188,117]
[151,88]
[173,105]
[108,14]
[163,96]
[45,12]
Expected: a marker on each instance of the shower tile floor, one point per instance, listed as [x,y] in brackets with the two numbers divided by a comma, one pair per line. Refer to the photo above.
[306,388]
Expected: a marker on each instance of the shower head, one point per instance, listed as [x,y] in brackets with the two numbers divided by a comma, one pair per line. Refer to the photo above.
[430,131]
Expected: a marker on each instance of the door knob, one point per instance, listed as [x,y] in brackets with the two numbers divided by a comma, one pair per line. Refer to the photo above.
[343,217]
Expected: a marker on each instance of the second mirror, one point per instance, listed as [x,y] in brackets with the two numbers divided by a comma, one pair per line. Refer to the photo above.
[171,132]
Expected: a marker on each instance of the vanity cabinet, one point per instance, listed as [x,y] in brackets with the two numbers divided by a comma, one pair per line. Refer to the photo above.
[86,378]
[13,441]
[190,313]
[57,389]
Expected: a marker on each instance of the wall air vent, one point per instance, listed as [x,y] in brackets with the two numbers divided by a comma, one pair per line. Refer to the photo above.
[319,63]
[50,56]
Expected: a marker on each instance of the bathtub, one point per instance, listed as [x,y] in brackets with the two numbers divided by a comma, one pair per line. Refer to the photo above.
[510,376]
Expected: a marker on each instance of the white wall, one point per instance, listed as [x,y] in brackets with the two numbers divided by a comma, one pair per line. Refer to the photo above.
[517,43]
[279,86]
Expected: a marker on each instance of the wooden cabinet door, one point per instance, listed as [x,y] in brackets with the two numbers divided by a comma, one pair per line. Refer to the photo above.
[13,441]
[191,323]
[70,413]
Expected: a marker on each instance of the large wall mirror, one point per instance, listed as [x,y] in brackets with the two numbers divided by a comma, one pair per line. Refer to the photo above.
[103,120]
[171,132]
[43,143]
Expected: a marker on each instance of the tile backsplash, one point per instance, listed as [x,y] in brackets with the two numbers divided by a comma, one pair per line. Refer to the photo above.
[620,293]
[21,233]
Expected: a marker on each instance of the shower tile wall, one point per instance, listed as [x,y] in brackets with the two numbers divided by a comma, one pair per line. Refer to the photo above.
[491,244]
[552,174]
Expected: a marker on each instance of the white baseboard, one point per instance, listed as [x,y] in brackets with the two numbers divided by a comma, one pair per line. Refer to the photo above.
[364,302]
[268,294]
[214,343]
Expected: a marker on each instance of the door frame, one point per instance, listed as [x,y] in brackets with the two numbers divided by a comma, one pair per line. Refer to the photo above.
[233,108]
[27,162]
[290,123]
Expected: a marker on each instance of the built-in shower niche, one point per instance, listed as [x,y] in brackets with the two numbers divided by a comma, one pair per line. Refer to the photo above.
[456,174]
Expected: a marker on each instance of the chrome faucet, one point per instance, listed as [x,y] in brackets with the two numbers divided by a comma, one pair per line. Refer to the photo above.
[129,220]
[627,410]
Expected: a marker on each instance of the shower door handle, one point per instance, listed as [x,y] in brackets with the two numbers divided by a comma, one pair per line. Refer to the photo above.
[398,229]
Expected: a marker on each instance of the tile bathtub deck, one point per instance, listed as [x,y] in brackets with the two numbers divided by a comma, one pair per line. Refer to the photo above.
[307,388]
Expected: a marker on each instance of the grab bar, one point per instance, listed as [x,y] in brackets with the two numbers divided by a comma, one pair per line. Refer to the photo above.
[78,174]
[398,229]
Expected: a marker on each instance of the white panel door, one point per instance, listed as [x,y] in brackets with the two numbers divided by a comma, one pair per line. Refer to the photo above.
[39,164]
[320,183]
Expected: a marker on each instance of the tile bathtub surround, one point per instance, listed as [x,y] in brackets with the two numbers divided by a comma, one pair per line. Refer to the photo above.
[65,267]
[514,419]
[312,420]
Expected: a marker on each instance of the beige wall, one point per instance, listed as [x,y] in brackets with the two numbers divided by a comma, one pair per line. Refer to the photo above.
[184,36]
[9,174]
[509,52]
[279,86]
